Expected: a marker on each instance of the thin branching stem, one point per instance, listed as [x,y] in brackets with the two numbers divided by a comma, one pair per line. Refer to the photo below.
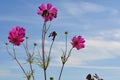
[50,48]
[64,63]
[48,27]
[9,52]
[33,51]
[68,54]
[61,72]
[26,50]
[66,45]
[32,72]
[20,66]
[43,48]
[30,57]
[15,58]
[49,53]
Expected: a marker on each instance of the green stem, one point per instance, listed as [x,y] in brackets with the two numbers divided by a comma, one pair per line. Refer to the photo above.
[61,72]
[50,48]
[64,64]
[32,71]
[69,54]
[43,46]
[15,58]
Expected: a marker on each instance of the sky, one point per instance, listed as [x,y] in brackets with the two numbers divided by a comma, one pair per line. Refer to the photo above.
[98,21]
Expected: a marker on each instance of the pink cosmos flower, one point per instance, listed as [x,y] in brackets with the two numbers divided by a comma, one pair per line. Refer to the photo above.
[47,12]
[78,42]
[16,35]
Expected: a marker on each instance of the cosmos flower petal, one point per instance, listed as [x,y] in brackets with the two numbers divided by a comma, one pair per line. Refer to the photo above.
[16,35]
[78,42]
[47,12]
[42,7]
[49,6]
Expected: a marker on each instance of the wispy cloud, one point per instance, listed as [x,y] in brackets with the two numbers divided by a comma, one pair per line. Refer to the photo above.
[8,69]
[111,35]
[101,67]
[83,7]
[23,19]
[94,50]
[9,74]
[76,9]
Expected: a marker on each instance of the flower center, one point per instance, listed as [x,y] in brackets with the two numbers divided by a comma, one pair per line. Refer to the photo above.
[75,43]
[53,15]
[45,13]
[14,40]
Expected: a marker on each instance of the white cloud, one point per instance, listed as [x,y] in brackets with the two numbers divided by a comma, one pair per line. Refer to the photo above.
[113,34]
[83,7]
[100,67]
[114,12]
[91,7]
[76,9]
[15,18]
[94,50]
[8,70]
[9,74]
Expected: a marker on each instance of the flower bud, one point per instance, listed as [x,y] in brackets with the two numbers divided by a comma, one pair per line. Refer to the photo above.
[51,78]
[53,34]
[35,44]
[66,32]
[6,43]
[27,37]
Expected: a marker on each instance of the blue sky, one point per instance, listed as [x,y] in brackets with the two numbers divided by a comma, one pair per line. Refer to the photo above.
[98,21]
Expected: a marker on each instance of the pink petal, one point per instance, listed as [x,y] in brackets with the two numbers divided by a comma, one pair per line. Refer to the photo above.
[49,6]
[42,7]
[53,10]
[39,12]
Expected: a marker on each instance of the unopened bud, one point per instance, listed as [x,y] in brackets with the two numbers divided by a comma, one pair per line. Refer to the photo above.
[6,43]
[27,37]
[53,34]
[51,78]
[66,32]
[35,44]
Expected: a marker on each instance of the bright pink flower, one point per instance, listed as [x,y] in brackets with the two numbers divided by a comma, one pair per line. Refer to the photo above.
[47,12]
[78,42]
[16,35]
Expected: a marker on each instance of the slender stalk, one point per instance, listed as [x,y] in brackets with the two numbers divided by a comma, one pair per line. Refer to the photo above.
[15,58]
[29,56]
[33,51]
[32,71]
[50,48]
[20,66]
[66,45]
[26,47]
[9,52]
[27,51]
[69,54]
[43,50]
[31,68]
[48,26]
[49,54]
[65,60]
[61,72]
[64,63]
[45,76]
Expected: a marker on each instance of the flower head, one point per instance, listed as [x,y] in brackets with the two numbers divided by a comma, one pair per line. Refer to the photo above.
[16,35]
[53,34]
[78,42]
[47,12]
